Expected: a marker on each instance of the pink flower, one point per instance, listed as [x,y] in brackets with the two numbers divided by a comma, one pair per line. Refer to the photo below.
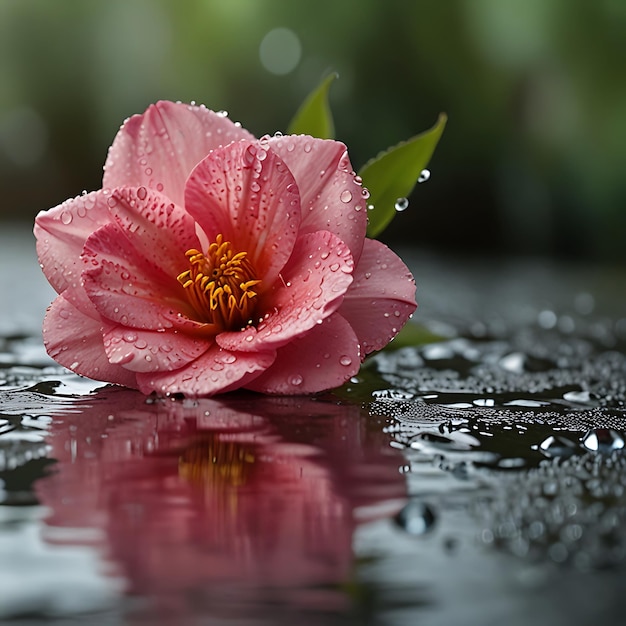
[211,260]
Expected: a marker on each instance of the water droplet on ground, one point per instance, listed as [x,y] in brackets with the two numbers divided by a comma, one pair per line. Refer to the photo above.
[603,440]
[416,518]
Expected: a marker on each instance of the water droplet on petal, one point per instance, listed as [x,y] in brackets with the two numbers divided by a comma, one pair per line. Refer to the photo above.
[424,176]
[346,196]
[66,217]
[296,380]
[142,193]
[345,360]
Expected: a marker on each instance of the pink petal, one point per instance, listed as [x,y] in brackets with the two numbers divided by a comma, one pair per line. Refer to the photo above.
[216,371]
[381,299]
[159,230]
[247,194]
[330,197]
[150,351]
[75,341]
[324,358]
[61,233]
[309,290]
[159,148]
[127,289]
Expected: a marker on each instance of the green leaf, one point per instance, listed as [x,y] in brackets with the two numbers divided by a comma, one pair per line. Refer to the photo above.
[394,173]
[314,116]
[413,334]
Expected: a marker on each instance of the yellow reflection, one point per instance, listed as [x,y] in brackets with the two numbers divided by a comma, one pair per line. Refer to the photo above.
[215,462]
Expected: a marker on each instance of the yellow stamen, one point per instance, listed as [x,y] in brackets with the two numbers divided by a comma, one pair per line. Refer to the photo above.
[220,285]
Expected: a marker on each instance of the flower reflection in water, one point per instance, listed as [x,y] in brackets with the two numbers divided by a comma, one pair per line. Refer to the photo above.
[241,507]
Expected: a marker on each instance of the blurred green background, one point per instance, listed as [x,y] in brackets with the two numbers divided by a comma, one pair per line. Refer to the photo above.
[531,162]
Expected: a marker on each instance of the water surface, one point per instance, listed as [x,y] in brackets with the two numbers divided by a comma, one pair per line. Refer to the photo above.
[477,478]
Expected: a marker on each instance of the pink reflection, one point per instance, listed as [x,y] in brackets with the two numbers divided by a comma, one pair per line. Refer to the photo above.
[230,506]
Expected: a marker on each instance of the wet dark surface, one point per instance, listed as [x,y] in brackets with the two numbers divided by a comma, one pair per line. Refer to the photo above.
[478,478]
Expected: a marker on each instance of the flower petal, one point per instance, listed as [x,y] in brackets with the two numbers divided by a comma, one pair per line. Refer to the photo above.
[216,371]
[158,229]
[246,193]
[61,233]
[150,351]
[330,196]
[159,148]
[125,288]
[75,341]
[381,299]
[310,289]
[324,358]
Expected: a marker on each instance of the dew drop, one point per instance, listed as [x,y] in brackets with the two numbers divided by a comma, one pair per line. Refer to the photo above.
[296,380]
[424,176]
[345,360]
[346,196]
[66,217]
[142,193]
[401,204]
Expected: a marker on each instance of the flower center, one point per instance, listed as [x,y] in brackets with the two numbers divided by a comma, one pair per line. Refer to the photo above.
[220,285]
